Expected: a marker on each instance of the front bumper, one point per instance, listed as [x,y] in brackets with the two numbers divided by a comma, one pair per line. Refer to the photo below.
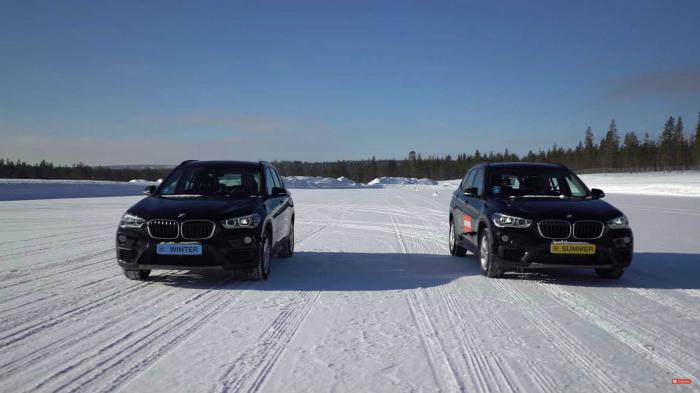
[524,249]
[224,251]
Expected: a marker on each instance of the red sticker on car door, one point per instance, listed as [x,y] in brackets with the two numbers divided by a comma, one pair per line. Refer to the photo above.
[467,223]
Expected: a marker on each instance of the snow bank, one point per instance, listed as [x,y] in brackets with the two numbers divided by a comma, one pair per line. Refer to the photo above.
[402,181]
[681,183]
[67,181]
[305,182]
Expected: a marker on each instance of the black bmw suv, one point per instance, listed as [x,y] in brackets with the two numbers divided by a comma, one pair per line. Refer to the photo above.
[530,215]
[218,215]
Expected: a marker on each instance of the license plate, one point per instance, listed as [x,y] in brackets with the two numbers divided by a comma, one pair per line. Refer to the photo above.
[572,248]
[179,249]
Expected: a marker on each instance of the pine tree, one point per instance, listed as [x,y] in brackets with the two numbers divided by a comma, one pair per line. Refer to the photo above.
[666,144]
[679,145]
[589,148]
[696,143]
[610,147]
[631,151]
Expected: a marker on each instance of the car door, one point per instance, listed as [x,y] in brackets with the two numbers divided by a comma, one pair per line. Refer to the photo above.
[460,203]
[473,207]
[273,204]
[467,207]
[286,206]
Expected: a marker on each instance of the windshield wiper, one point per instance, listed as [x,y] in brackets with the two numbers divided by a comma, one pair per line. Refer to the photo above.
[560,196]
[181,195]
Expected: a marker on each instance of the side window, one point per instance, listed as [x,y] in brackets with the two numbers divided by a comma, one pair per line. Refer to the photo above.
[279,179]
[276,179]
[269,181]
[468,179]
[478,181]
[169,188]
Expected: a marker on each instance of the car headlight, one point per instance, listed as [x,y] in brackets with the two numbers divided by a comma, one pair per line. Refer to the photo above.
[619,222]
[131,221]
[250,221]
[505,221]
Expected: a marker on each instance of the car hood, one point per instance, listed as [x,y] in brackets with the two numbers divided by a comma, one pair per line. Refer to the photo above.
[194,208]
[552,208]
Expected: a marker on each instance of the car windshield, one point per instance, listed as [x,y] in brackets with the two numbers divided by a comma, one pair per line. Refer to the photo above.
[212,181]
[533,182]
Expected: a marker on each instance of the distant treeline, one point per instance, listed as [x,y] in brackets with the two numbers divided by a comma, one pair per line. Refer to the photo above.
[672,150]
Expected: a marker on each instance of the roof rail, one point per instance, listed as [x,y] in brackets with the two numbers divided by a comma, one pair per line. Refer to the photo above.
[185,162]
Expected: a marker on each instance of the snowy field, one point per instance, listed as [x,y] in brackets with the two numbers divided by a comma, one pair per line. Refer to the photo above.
[371,302]
[651,183]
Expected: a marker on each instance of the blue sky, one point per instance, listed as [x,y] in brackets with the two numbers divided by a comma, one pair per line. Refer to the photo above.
[128,82]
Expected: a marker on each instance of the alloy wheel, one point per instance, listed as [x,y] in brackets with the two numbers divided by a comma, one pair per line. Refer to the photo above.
[484,253]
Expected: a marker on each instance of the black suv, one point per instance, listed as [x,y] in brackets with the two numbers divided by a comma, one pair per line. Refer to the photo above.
[529,215]
[219,215]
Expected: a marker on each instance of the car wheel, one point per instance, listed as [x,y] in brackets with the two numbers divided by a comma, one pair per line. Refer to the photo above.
[455,249]
[489,267]
[288,249]
[137,274]
[612,274]
[262,270]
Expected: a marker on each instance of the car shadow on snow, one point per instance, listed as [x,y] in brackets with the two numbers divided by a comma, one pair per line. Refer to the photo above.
[649,270]
[340,271]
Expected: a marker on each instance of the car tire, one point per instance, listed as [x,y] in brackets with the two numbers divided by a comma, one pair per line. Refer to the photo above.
[137,274]
[262,269]
[455,249]
[610,274]
[288,249]
[489,267]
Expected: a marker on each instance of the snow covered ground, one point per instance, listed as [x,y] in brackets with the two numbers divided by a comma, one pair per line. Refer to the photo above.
[654,183]
[650,183]
[371,301]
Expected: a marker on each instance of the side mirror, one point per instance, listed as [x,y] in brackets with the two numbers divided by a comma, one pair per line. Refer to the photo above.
[150,190]
[597,193]
[471,191]
[279,191]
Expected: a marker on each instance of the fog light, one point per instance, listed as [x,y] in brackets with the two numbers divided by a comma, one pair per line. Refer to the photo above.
[121,239]
[628,240]
[505,238]
[247,240]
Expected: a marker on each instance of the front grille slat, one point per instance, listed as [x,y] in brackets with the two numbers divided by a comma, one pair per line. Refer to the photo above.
[163,229]
[197,229]
[588,229]
[554,229]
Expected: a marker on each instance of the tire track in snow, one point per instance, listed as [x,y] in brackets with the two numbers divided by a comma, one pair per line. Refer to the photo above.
[249,371]
[51,248]
[442,369]
[640,339]
[49,272]
[65,343]
[485,369]
[113,319]
[667,301]
[122,359]
[307,236]
[51,321]
[399,237]
[575,352]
